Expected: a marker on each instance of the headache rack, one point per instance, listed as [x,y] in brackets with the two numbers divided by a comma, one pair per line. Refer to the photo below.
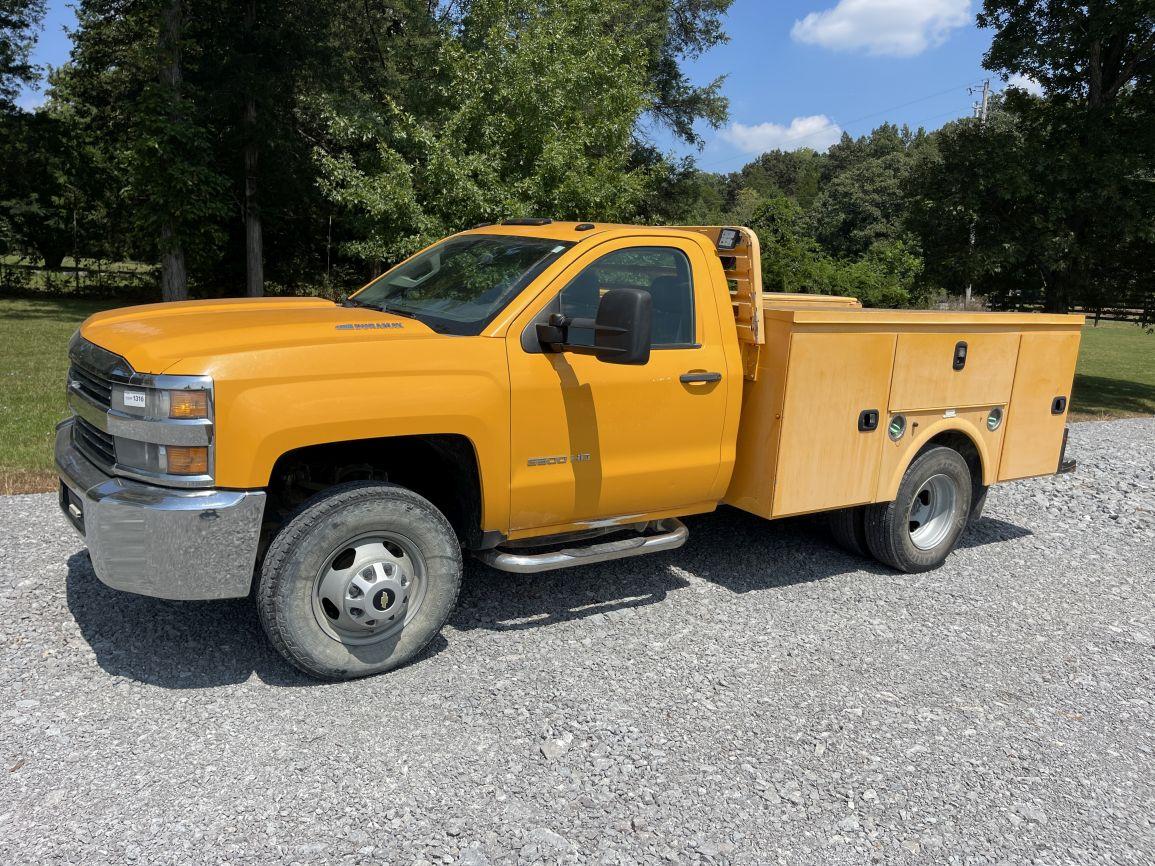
[741,257]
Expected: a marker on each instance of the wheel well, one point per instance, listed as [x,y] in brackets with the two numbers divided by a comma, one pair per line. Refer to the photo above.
[965,446]
[442,468]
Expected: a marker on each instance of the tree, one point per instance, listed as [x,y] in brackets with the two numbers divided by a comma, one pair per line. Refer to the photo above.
[794,173]
[128,77]
[535,112]
[674,31]
[39,205]
[19,21]
[1087,149]
[1086,52]
[862,201]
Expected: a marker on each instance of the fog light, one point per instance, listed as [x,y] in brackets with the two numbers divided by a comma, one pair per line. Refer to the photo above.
[994,419]
[897,427]
[186,460]
[188,404]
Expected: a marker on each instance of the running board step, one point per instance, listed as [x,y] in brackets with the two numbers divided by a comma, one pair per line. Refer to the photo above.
[672,534]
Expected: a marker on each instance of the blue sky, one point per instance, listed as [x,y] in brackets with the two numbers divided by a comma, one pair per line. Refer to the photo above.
[797,73]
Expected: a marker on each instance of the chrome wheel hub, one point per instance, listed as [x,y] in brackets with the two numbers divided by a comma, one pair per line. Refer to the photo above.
[369,588]
[931,514]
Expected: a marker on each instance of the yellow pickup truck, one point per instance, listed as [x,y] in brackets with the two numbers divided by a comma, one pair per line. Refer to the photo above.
[539,395]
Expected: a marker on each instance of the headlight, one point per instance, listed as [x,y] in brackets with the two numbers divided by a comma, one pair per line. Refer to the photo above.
[163,432]
[153,459]
[188,404]
[161,403]
[155,428]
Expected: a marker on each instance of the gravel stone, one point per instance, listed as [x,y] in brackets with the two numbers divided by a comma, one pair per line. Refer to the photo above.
[758,696]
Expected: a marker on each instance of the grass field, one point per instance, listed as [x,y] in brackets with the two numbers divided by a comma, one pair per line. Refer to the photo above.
[1116,378]
[1116,373]
[33,362]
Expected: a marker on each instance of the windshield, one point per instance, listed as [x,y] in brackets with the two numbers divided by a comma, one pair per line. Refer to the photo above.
[461,284]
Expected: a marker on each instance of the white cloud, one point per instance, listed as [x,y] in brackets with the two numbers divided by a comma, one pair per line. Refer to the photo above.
[817,132]
[900,28]
[1025,82]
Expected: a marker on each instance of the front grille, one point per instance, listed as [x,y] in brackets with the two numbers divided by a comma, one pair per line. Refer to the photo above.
[91,384]
[95,444]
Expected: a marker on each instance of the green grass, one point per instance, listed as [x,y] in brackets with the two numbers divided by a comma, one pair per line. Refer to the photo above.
[1116,378]
[33,363]
[1116,373]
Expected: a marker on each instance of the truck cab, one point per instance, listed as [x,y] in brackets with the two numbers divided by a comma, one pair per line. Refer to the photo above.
[539,395]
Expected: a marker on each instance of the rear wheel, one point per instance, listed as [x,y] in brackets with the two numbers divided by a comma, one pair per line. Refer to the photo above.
[359,580]
[848,526]
[920,527]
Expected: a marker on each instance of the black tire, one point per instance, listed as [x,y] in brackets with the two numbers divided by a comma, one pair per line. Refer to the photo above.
[848,526]
[888,530]
[307,541]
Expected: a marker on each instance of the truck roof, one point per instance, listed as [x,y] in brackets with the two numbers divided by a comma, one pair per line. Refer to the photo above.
[570,231]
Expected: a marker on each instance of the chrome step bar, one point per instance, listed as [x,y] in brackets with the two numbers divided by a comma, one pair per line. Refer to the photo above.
[672,534]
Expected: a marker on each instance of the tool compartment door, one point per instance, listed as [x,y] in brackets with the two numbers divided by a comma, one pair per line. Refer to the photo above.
[925,376]
[1045,372]
[824,460]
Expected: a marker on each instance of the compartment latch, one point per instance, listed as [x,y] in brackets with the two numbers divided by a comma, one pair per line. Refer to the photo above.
[960,354]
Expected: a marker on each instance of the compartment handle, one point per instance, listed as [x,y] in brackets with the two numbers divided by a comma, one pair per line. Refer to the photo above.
[960,354]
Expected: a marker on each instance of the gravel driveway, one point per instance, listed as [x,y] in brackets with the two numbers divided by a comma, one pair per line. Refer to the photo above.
[755,696]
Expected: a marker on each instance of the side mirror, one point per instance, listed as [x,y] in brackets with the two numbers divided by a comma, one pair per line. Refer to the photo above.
[623,327]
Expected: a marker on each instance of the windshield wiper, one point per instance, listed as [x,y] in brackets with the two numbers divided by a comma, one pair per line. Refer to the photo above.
[380,308]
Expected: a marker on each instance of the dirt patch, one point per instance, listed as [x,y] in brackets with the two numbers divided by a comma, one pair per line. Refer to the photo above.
[26,481]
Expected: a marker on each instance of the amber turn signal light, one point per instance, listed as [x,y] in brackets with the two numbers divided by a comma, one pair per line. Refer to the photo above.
[188,404]
[188,460]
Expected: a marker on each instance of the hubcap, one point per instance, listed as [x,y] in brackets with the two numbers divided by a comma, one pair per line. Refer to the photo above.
[369,588]
[931,514]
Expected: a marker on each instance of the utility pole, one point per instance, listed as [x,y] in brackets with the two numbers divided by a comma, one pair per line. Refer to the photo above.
[983,106]
[981,109]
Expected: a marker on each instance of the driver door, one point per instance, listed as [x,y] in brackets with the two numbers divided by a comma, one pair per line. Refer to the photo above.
[592,441]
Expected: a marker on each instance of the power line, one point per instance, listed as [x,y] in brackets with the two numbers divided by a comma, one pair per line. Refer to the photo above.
[849,123]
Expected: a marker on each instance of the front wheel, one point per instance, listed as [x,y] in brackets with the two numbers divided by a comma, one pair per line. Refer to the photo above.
[920,527]
[359,581]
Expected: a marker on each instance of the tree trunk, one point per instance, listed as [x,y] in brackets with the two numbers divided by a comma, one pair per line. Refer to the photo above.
[254,242]
[1055,296]
[254,252]
[173,277]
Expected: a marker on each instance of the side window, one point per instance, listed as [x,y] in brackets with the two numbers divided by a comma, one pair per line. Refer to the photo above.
[662,271]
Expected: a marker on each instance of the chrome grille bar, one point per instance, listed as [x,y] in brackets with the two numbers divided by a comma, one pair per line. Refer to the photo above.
[91,383]
[95,444]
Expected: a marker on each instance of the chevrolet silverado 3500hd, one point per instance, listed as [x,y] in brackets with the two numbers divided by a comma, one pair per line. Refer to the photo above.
[537,394]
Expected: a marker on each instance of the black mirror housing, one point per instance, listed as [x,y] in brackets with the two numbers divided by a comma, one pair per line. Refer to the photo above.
[624,327]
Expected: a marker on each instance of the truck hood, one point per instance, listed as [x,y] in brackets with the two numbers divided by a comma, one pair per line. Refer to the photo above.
[156,337]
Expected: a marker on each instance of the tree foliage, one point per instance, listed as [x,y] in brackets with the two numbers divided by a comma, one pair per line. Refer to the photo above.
[279,138]
[1060,191]
[298,143]
[545,97]
[829,223]
[19,22]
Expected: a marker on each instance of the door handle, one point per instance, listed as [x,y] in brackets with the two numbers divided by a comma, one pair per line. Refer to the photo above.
[691,378]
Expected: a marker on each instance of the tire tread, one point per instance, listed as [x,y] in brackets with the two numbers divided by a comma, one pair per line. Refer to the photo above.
[297,526]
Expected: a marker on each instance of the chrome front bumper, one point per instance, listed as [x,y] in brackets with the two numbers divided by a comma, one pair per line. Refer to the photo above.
[178,544]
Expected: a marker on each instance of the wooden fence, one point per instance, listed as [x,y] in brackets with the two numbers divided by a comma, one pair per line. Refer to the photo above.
[90,279]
